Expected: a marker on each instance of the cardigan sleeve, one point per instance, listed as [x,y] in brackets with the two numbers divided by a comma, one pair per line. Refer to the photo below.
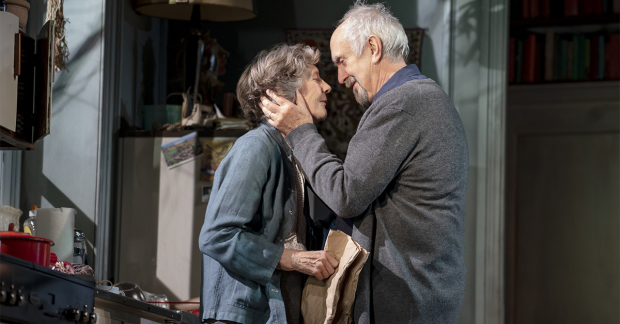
[383,140]
[233,205]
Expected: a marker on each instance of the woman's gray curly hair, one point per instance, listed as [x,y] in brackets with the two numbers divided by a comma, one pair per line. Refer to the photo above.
[281,69]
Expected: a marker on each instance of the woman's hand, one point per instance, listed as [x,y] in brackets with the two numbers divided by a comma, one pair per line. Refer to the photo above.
[318,264]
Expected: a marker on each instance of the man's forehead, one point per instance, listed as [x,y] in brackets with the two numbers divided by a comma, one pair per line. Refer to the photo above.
[337,46]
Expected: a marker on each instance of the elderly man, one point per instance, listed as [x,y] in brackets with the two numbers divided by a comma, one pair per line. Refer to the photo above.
[404,179]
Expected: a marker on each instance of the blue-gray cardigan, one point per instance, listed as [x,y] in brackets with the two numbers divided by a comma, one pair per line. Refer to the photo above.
[250,211]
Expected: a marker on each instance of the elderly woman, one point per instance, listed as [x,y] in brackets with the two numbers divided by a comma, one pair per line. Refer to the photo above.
[256,235]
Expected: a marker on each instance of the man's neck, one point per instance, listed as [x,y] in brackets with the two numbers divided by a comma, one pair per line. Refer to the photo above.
[384,71]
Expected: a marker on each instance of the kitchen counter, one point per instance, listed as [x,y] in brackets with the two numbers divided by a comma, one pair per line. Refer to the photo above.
[112,309]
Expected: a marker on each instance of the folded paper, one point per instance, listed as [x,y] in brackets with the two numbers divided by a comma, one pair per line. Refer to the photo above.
[331,301]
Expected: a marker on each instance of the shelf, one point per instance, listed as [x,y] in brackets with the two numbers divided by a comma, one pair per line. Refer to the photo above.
[201,133]
[594,20]
[528,94]
[560,82]
[11,141]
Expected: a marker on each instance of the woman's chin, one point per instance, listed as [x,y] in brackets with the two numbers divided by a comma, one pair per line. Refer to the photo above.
[316,120]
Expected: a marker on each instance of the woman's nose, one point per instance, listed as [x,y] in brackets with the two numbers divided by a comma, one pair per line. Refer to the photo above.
[326,87]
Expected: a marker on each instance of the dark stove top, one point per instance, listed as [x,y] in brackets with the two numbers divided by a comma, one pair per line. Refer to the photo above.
[30,293]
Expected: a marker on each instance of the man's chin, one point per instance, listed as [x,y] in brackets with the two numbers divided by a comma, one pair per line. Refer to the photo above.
[362,99]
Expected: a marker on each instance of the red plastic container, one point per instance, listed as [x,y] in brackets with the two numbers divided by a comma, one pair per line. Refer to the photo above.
[27,247]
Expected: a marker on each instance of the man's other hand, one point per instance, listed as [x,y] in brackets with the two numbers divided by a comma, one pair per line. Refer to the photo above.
[285,115]
[318,264]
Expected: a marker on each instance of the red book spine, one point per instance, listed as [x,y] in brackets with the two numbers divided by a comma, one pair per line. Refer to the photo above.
[511,59]
[534,9]
[597,7]
[613,54]
[525,8]
[545,8]
[571,8]
[593,58]
[529,59]
[587,6]
[538,63]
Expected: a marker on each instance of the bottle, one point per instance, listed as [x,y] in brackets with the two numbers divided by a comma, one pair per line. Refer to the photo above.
[29,224]
[79,246]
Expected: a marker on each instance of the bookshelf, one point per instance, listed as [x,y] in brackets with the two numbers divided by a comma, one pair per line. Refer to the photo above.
[559,41]
[562,113]
[555,22]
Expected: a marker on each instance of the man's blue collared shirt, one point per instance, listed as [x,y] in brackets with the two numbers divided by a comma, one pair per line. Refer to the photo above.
[406,74]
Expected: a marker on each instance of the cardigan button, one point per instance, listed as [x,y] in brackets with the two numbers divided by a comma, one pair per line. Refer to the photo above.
[290,212]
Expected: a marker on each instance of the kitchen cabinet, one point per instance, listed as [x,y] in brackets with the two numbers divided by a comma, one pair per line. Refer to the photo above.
[26,76]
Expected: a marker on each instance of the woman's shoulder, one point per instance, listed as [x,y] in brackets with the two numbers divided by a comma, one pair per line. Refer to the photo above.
[257,135]
[256,140]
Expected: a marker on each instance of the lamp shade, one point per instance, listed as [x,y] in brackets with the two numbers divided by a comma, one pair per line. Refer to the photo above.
[212,10]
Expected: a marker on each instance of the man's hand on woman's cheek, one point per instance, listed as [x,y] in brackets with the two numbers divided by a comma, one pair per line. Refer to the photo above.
[285,115]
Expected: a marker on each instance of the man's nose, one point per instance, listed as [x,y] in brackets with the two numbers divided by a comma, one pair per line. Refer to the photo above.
[342,75]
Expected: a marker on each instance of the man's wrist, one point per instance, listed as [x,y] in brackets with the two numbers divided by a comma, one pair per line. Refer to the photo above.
[299,132]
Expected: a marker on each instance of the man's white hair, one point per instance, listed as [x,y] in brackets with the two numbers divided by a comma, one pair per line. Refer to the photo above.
[363,20]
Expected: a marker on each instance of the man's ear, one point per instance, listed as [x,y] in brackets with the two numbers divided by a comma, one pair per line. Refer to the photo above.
[376,49]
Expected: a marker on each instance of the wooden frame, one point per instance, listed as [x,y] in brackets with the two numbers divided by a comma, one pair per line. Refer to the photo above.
[108,132]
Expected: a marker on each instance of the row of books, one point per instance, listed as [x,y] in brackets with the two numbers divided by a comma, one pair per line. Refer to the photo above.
[528,9]
[554,57]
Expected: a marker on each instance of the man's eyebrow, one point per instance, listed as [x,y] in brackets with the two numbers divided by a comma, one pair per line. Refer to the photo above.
[335,59]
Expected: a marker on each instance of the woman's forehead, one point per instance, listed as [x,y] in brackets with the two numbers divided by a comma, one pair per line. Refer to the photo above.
[314,70]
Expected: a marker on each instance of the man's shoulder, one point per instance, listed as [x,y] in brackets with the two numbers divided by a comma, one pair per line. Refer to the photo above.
[411,95]
[421,100]
[410,90]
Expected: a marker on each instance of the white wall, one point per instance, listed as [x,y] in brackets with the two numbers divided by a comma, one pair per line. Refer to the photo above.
[62,171]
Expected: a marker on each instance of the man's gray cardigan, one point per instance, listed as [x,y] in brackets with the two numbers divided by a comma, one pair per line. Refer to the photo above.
[403,181]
